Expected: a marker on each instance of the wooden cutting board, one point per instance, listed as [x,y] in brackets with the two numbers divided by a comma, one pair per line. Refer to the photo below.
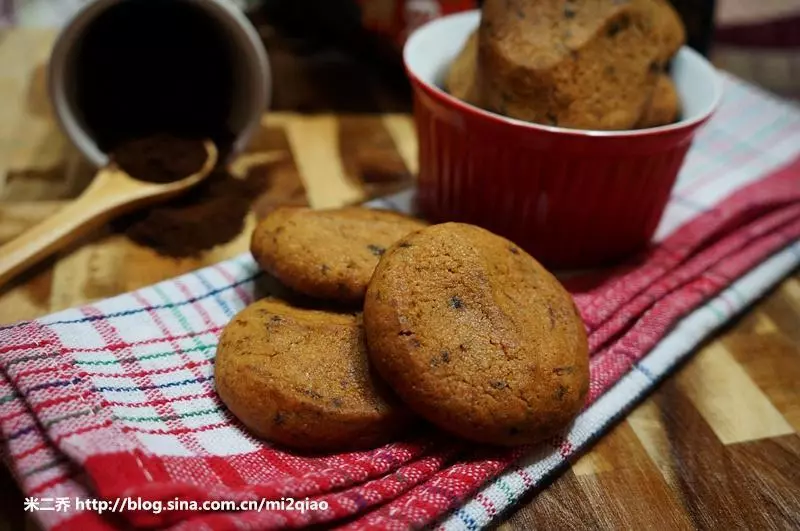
[715,447]
[320,160]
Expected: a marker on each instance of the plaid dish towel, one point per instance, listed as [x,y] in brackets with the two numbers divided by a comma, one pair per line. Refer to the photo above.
[115,400]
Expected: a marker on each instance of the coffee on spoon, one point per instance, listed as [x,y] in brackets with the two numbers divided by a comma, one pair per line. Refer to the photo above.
[149,97]
[160,158]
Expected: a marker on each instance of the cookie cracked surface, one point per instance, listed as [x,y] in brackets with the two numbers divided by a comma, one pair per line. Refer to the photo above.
[301,378]
[329,254]
[476,336]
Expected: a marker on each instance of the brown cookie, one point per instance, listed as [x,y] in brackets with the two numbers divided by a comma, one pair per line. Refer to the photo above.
[585,64]
[671,30]
[301,378]
[461,81]
[664,107]
[476,336]
[329,254]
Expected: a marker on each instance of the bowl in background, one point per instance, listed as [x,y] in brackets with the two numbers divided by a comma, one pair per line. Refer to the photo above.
[572,198]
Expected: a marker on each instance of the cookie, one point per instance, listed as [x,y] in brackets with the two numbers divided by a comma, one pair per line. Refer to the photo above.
[476,336]
[671,30]
[584,64]
[329,254]
[461,81]
[301,378]
[664,107]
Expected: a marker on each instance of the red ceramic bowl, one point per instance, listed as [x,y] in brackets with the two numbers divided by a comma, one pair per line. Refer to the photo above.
[572,198]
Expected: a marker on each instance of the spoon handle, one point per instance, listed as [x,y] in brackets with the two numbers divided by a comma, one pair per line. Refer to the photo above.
[111,193]
[102,201]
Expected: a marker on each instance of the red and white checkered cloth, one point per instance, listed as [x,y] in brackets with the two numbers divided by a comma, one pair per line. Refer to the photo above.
[116,399]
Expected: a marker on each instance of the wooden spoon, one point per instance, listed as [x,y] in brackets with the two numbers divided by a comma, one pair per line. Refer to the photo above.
[111,193]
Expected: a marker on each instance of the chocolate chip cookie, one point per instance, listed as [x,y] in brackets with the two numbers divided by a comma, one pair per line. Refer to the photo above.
[583,64]
[328,254]
[301,378]
[664,107]
[461,81]
[476,336]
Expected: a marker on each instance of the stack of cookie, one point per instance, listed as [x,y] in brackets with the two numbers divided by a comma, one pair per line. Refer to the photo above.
[448,323]
[580,64]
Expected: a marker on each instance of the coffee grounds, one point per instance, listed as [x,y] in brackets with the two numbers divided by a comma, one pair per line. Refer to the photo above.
[210,214]
[160,158]
[148,68]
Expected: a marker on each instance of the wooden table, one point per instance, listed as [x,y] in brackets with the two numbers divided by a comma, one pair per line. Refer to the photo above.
[716,446]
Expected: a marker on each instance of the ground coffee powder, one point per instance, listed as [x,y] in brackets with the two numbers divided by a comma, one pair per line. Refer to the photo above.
[210,214]
[152,79]
[160,158]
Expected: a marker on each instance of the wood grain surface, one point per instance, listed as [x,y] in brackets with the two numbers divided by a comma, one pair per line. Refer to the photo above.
[715,447]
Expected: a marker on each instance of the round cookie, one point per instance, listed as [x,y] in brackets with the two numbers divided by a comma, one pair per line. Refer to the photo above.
[301,378]
[461,82]
[664,106]
[476,336]
[583,64]
[329,254]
